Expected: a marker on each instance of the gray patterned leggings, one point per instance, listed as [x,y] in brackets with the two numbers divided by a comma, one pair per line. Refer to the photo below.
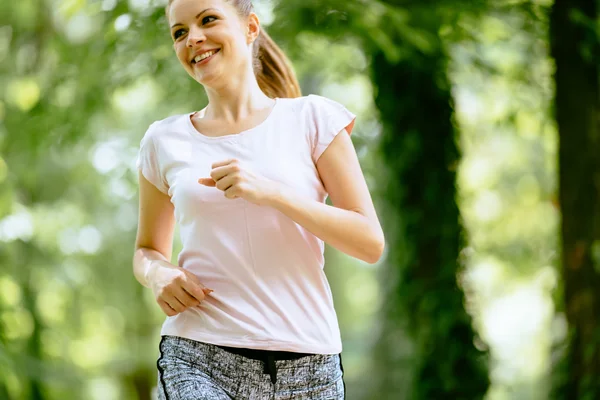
[191,370]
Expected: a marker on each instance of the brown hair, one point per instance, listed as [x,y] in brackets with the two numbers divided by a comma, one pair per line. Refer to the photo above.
[273,70]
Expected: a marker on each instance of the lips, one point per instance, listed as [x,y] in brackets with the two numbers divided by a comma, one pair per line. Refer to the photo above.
[204,56]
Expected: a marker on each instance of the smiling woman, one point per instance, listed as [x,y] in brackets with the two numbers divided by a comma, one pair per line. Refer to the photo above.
[249,308]
[272,68]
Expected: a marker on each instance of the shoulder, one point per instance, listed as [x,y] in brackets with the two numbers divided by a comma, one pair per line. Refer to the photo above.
[166,127]
[312,104]
[168,124]
[324,104]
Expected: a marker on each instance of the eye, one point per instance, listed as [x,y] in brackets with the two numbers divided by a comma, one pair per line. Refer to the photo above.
[208,19]
[178,33]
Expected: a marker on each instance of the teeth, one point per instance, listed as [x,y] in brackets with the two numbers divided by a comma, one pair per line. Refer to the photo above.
[202,56]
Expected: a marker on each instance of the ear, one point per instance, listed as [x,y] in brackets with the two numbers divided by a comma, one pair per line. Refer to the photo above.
[253,28]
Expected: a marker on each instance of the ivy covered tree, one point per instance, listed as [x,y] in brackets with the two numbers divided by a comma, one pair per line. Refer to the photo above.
[575,47]
[426,335]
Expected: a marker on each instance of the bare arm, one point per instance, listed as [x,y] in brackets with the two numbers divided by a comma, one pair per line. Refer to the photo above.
[156,224]
[351,224]
[174,288]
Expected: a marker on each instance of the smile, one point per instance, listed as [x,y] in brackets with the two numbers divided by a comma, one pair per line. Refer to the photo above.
[204,57]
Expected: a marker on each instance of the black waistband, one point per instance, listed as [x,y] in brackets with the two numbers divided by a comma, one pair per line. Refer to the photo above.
[256,354]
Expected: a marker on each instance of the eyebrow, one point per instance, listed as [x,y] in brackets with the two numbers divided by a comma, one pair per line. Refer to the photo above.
[197,16]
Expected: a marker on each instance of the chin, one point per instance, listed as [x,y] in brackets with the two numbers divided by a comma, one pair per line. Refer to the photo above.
[210,80]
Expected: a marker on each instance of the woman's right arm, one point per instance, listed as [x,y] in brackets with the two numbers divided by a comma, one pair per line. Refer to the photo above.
[156,224]
[174,288]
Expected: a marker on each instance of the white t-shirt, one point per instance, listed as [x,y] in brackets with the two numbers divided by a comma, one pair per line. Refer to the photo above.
[270,290]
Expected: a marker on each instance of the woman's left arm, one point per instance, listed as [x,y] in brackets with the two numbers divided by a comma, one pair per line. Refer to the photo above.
[351,224]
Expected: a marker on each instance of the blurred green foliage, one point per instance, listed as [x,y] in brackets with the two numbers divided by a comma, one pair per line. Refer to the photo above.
[448,91]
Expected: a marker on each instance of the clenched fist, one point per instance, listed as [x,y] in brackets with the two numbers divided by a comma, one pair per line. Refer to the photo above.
[237,181]
[175,289]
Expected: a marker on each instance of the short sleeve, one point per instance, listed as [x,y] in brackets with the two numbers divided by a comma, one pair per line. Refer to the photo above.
[328,119]
[148,162]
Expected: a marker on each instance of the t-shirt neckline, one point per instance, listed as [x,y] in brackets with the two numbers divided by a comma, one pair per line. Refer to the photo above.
[196,133]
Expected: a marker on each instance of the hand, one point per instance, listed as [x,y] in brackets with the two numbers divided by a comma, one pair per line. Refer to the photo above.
[175,289]
[237,181]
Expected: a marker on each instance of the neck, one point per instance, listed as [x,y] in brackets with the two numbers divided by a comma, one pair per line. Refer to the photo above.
[236,99]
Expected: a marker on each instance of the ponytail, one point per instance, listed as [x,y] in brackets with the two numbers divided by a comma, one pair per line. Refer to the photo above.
[273,70]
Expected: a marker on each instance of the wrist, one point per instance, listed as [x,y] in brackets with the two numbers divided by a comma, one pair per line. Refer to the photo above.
[277,195]
[149,273]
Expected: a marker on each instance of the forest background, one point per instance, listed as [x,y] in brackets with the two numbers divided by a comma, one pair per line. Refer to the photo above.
[478,131]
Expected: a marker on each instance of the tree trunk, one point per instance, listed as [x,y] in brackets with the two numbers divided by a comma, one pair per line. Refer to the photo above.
[575,48]
[438,359]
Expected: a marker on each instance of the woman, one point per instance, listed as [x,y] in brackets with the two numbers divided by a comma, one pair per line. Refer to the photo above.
[250,313]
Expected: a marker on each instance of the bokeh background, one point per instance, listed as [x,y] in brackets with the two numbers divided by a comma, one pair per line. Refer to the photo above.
[478,131]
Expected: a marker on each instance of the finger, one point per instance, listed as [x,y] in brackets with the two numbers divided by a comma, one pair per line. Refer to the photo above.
[220,172]
[194,290]
[186,298]
[222,163]
[228,181]
[232,192]
[175,304]
[195,281]
[166,308]
[190,276]
[207,182]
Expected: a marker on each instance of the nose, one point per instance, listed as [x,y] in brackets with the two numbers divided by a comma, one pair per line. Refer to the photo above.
[195,36]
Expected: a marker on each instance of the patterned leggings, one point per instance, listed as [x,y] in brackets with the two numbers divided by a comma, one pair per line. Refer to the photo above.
[191,370]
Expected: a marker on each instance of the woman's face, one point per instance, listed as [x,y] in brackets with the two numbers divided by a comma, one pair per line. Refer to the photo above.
[211,40]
